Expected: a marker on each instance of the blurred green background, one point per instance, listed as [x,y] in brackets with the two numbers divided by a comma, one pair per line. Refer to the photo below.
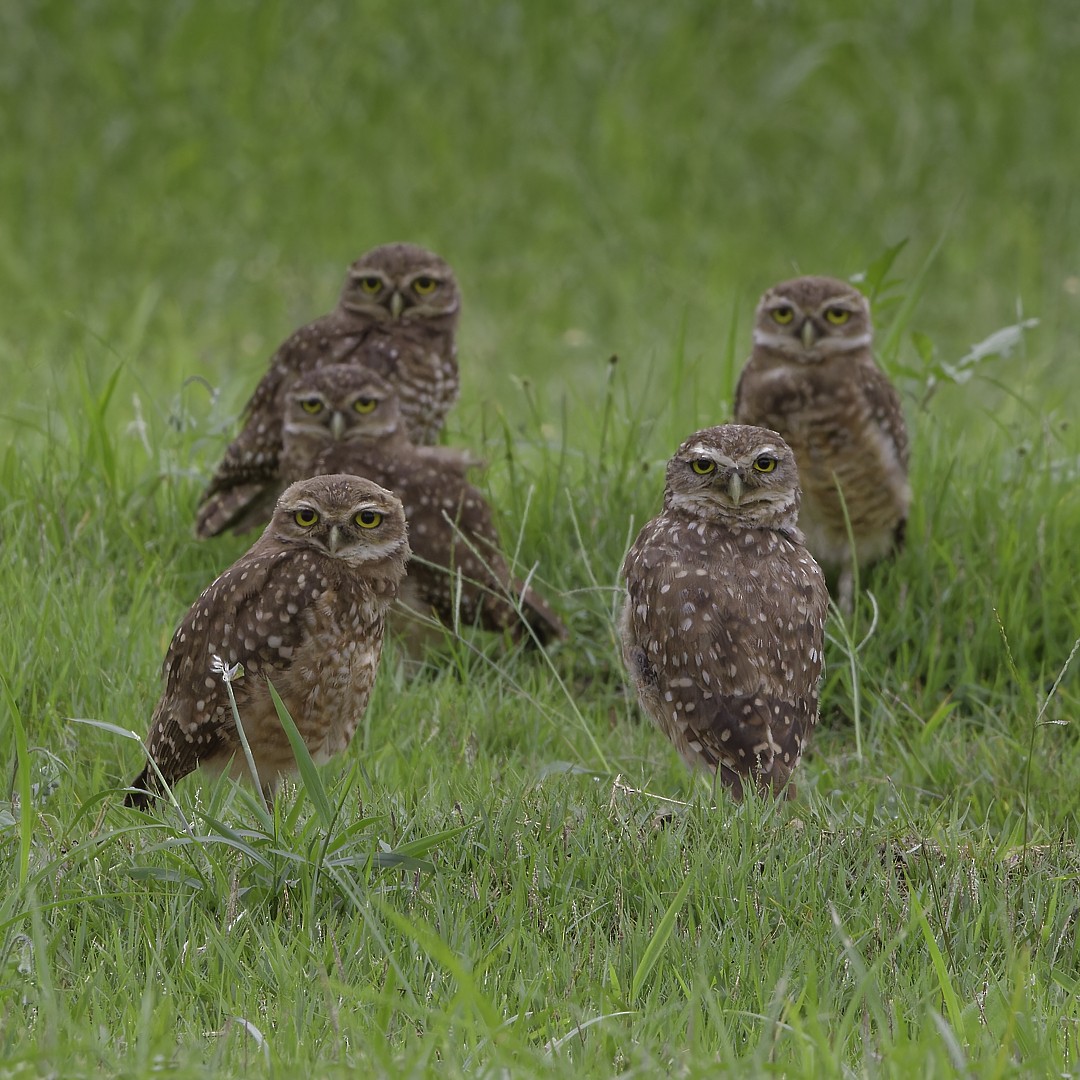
[182,184]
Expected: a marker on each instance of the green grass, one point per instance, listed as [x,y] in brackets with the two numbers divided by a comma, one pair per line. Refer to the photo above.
[485,884]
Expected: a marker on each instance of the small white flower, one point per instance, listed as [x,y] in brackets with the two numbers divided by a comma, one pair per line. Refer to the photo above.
[228,674]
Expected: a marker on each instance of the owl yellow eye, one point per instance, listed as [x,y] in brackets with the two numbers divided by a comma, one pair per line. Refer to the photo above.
[783,315]
[311,405]
[306,517]
[424,285]
[371,284]
[837,315]
[703,466]
[365,404]
[765,463]
[368,519]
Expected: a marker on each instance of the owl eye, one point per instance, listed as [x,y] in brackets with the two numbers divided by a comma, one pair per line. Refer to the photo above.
[368,519]
[306,517]
[365,404]
[703,466]
[783,315]
[424,285]
[311,405]
[765,463]
[370,284]
[837,315]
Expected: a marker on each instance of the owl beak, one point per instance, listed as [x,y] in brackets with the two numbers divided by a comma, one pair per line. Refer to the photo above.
[735,488]
[808,333]
[337,424]
[335,538]
[397,304]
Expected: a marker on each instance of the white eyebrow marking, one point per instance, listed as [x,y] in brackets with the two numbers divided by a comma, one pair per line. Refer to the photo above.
[369,504]
[701,450]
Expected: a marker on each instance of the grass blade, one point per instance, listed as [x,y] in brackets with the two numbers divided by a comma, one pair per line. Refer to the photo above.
[651,956]
[22,780]
[937,958]
[309,771]
[429,940]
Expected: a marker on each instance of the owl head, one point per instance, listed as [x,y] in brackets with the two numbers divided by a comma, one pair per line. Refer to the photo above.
[342,517]
[401,283]
[335,405]
[736,474]
[810,319]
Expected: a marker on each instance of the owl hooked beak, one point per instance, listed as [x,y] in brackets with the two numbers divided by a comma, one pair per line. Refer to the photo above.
[735,487]
[808,333]
[335,539]
[337,424]
[397,304]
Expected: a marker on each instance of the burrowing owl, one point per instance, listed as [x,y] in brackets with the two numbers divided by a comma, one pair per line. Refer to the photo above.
[724,619]
[344,417]
[812,377]
[397,313]
[304,609]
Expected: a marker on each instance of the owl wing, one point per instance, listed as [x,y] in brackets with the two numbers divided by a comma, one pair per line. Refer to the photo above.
[727,663]
[241,492]
[494,602]
[886,408]
[770,398]
[739,405]
[456,460]
[252,615]
[452,531]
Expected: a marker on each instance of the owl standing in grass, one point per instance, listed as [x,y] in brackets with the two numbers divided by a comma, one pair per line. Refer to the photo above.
[304,610]
[812,377]
[724,619]
[347,418]
[398,312]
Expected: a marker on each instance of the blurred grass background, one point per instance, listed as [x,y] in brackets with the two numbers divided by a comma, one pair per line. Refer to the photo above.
[187,181]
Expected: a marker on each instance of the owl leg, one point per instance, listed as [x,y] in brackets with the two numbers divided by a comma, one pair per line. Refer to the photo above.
[779,784]
[732,781]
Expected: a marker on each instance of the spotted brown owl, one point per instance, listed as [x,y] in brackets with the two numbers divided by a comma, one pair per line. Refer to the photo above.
[812,377]
[303,609]
[344,417]
[397,313]
[724,620]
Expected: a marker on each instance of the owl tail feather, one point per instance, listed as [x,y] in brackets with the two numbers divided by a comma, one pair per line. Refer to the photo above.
[144,796]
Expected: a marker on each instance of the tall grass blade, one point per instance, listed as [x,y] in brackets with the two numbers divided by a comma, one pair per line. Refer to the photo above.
[309,771]
[937,959]
[653,951]
[22,782]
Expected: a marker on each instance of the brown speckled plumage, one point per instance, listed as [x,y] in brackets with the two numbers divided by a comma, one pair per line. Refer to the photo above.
[397,313]
[304,608]
[812,377]
[346,418]
[723,625]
